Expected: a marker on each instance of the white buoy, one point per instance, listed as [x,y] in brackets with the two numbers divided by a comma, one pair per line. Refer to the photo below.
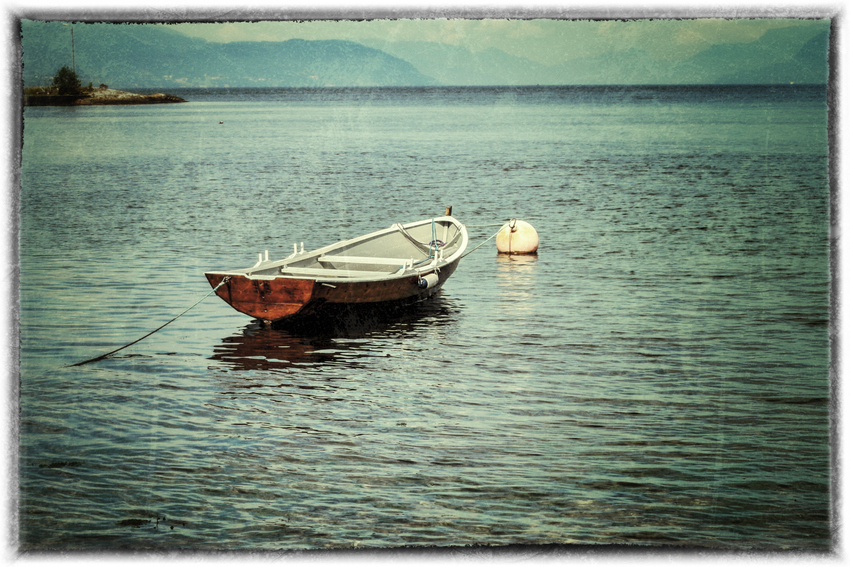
[517,237]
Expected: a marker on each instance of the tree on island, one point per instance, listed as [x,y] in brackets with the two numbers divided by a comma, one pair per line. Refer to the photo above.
[66,81]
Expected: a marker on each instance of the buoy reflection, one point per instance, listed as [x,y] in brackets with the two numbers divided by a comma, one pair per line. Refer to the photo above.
[516,281]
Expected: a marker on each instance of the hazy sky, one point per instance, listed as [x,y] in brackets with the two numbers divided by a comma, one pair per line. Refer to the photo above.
[544,41]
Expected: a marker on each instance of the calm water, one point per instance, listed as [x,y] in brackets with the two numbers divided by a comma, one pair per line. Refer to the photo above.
[658,374]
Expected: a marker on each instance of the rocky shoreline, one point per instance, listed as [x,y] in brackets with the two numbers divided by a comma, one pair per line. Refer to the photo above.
[97,96]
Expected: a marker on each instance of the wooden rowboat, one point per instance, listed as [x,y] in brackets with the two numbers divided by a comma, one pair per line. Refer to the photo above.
[399,264]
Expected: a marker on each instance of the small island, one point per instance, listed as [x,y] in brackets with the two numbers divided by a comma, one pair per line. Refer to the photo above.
[89,96]
[66,91]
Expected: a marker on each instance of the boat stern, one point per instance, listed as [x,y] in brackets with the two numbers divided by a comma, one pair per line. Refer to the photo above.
[269,299]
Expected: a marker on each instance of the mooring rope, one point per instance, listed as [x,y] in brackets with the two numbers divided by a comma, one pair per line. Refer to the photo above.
[102,356]
[483,243]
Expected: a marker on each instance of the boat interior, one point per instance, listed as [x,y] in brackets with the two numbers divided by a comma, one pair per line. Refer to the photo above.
[397,250]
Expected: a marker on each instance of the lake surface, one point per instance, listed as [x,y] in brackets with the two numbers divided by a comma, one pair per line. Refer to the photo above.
[658,374]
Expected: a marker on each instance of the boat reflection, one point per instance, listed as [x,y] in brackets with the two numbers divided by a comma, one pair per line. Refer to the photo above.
[350,338]
[263,348]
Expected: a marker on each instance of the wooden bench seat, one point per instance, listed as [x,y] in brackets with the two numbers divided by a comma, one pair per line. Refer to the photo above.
[364,260]
[330,273]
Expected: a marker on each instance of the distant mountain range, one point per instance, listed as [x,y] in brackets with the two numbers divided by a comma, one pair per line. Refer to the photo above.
[133,55]
[794,54]
[130,56]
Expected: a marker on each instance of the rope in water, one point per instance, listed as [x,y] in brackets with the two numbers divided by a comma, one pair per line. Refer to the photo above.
[102,356]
